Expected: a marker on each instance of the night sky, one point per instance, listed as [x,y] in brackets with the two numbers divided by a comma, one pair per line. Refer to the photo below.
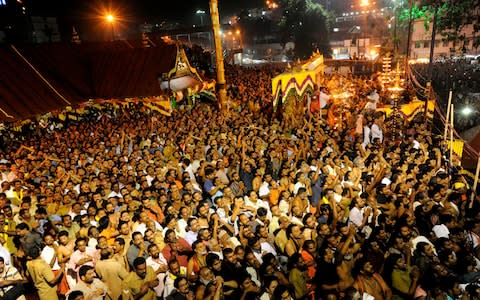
[178,10]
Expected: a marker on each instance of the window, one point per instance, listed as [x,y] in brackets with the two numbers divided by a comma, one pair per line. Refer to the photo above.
[445,43]
[418,44]
[426,44]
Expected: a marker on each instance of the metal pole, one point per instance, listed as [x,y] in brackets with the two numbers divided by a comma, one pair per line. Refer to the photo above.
[475,183]
[447,116]
[395,33]
[452,128]
[222,92]
[409,35]
[432,43]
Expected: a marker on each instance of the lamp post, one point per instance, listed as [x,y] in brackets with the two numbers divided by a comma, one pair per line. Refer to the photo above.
[432,41]
[111,20]
[201,13]
[240,42]
[395,38]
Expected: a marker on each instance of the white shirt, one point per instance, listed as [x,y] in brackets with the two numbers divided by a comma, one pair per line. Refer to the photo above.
[265,248]
[89,291]
[441,231]
[377,133]
[5,254]
[114,194]
[155,264]
[141,227]
[149,179]
[47,255]
[297,186]
[323,99]
[356,216]
[283,206]
[264,189]
[191,237]
[366,136]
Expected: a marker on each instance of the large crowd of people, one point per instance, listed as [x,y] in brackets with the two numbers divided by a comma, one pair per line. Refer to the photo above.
[462,78]
[135,205]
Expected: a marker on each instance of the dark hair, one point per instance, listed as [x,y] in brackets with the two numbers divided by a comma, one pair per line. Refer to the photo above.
[135,234]
[190,220]
[252,241]
[41,211]
[120,240]
[262,212]
[293,260]
[74,295]
[421,247]
[301,190]
[211,259]
[176,283]
[172,261]
[151,246]
[195,244]
[83,270]
[22,226]
[105,253]
[289,229]
[103,223]
[305,218]
[80,239]
[167,233]
[119,224]
[62,233]
[280,290]
[168,219]
[307,243]
[226,251]
[138,261]
[268,280]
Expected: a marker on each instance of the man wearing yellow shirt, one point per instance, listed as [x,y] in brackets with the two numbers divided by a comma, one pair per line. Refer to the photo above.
[7,231]
[42,276]
[69,226]
[139,283]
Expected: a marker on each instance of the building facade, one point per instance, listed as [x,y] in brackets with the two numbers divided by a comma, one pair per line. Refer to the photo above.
[421,40]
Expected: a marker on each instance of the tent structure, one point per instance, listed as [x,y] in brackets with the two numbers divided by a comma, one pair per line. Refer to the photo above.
[37,79]
[298,81]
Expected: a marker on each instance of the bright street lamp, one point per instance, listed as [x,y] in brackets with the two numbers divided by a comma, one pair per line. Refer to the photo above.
[111,19]
[364,2]
[201,13]
[467,110]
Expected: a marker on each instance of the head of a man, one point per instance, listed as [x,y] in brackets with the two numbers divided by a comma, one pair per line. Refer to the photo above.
[181,284]
[2,264]
[86,274]
[140,266]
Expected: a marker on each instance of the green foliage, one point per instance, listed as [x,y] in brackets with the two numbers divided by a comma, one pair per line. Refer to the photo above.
[306,23]
[453,15]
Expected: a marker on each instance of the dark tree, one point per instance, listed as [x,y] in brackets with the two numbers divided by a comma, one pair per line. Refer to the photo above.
[305,23]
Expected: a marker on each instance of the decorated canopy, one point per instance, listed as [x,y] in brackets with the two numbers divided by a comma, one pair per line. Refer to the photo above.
[298,80]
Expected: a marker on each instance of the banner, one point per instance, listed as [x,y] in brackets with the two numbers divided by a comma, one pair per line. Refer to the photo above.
[411,109]
[457,146]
